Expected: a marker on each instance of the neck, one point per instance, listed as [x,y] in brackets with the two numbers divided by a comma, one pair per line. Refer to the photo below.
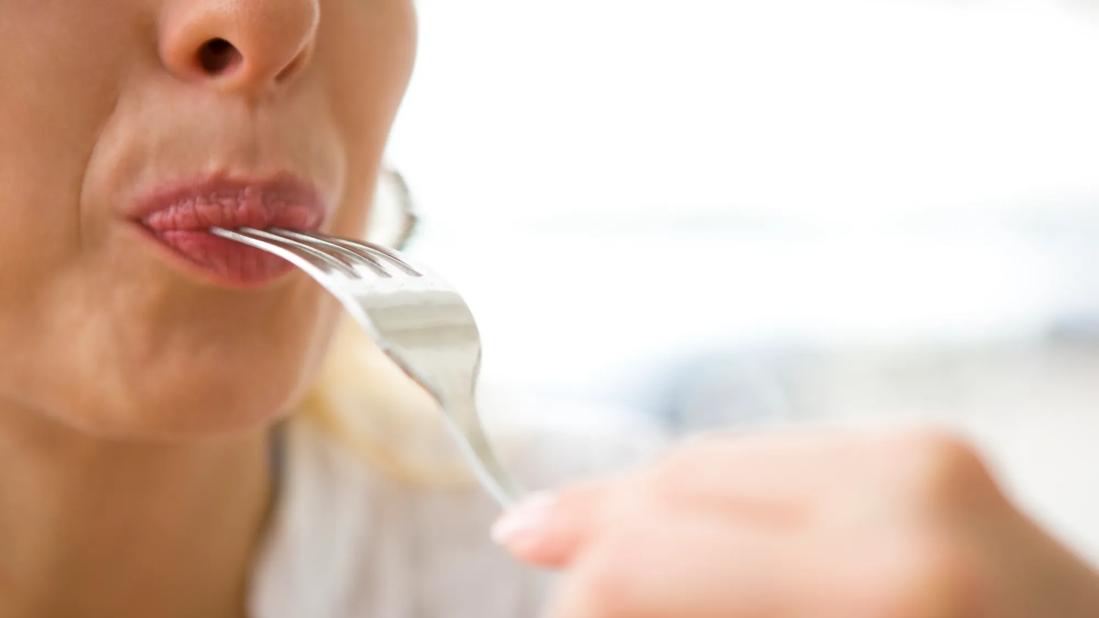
[95,527]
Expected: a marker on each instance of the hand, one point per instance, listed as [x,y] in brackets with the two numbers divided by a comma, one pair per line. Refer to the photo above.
[800,525]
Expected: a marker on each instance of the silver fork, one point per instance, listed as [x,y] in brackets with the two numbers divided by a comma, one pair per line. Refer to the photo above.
[418,320]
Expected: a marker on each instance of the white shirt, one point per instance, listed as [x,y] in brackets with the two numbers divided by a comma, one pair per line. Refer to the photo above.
[347,541]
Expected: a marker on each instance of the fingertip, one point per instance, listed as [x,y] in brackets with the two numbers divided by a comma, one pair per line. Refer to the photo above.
[525,529]
[548,528]
[525,518]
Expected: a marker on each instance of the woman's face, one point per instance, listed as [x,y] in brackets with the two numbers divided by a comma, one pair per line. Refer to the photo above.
[127,127]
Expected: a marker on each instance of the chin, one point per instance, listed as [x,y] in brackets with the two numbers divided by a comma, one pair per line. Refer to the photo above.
[227,389]
[202,410]
[188,410]
[161,357]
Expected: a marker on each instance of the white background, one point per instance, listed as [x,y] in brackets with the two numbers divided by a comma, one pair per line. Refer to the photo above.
[619,183]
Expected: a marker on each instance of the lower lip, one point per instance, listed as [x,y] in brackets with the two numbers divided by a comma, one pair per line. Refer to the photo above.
[220,260]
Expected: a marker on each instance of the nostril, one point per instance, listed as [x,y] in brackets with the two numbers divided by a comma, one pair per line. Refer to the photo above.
[217,56]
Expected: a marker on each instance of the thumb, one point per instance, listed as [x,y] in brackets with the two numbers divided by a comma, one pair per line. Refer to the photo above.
[549,528]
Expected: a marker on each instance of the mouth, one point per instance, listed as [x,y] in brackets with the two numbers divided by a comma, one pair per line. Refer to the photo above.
[179,218]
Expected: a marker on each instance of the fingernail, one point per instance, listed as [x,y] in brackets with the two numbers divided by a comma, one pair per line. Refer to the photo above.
[524,522]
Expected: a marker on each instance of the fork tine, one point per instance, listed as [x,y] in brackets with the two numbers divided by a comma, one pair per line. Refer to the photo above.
[337,262]
[311,260]
[325,244]
[392,257]
[374,251]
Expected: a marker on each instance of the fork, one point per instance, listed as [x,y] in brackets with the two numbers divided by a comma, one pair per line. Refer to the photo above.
[417,319]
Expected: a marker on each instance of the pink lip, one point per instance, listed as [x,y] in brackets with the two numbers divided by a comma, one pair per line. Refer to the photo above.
[179,216]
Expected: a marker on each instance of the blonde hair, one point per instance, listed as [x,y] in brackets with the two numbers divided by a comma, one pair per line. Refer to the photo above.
[364,400]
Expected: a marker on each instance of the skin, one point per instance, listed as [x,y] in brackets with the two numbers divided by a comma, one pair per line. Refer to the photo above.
[136,398]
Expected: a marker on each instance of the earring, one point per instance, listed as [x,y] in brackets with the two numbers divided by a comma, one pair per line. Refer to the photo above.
[393,220]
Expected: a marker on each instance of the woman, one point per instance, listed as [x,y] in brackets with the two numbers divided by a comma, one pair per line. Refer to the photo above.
[146,364]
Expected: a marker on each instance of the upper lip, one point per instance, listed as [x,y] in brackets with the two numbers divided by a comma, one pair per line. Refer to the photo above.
[232,202]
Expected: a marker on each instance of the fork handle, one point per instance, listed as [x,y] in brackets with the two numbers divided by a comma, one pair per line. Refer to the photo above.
[478,452]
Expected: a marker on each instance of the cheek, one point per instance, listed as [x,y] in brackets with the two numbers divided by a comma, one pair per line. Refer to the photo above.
[365,53]
[60,85]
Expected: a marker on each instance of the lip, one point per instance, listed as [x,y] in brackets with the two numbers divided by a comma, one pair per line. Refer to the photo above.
[178,217]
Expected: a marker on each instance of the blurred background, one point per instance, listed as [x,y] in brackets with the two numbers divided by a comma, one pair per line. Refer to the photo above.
[684,215]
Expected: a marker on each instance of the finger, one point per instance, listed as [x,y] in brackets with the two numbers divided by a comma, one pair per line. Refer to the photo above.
[680,567]
[761,480]
[778,478]
[697,567]
[548,528]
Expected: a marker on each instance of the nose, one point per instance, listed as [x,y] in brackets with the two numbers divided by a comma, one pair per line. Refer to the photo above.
[247,46]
